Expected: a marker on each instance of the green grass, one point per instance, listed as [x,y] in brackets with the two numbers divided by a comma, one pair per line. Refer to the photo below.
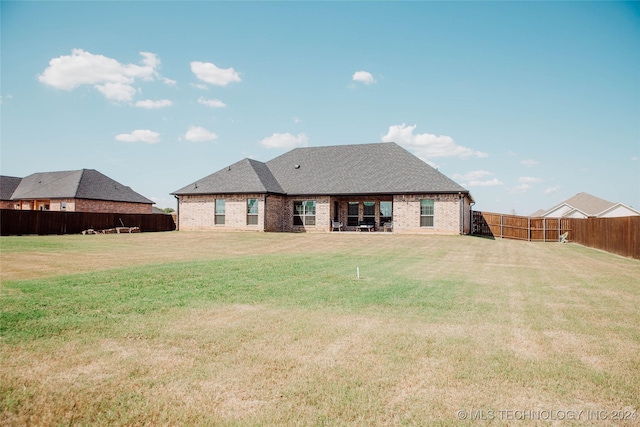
[232,334]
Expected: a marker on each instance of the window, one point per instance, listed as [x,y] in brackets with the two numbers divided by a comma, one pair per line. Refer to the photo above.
[220,212]
[386,212]
[63,206]
[252,211]
[369,212]
[352,214]
[304,213]
[426,213]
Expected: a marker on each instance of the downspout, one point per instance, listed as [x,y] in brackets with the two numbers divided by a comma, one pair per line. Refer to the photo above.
[471,217]
[461,222]
[177,213]
[264,224]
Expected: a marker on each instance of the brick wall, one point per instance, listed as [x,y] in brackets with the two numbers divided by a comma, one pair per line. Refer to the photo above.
[197,213]
[446,218]
[83,205]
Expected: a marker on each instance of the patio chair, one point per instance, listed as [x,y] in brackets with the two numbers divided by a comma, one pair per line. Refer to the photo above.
[336,225]
[388,226]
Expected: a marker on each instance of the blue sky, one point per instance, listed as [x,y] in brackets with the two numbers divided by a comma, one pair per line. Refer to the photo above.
[523,103]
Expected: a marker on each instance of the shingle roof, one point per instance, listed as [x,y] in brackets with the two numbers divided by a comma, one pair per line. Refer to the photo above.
[78,184]
[8,185]
[245,176]
[587,203]
[380,168]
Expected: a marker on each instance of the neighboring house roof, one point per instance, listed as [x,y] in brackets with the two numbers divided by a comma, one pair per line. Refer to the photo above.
[78,184]
[586,205]
[537,213]
[8,185]
[380,168]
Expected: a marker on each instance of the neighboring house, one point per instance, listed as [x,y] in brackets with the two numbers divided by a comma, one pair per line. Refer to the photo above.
[8,185]
[584,205]
[85,190]
[317,188]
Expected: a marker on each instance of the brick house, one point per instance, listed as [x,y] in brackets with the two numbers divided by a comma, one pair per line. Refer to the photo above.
[373,187]
[85,190]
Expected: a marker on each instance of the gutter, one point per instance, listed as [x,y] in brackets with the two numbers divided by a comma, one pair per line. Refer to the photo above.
[177,213]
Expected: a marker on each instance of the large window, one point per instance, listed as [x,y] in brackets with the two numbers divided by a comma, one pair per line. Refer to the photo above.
[426,213]
[304,213]
[220,212]
[369,212]
[352,214]
[252,211]
[386,212]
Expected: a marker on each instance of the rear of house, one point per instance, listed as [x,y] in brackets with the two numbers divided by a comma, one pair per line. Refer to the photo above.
[366,187]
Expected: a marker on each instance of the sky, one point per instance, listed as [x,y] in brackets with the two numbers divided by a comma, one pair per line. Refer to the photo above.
[525,104]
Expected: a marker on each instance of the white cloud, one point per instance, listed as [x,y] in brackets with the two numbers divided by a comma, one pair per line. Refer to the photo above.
[529,179]
[199,134]
[117,91]
[428,145]
[5,97]
[214,103]
[200,86]
[112,78]
[150,105]
[140,135]
[363,77]
[634,158]
[169,82]
[285,140]
[474,179]
[522,188]
[210,73]
[552,189]
[296,120]
[529,162]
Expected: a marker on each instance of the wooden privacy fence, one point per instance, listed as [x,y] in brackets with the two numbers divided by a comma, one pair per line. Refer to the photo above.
[18,222]
[617,235]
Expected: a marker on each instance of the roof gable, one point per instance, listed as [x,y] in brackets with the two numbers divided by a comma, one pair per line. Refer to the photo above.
[45,185]
[589,204]
[8,185]
[78,184]
[245,176]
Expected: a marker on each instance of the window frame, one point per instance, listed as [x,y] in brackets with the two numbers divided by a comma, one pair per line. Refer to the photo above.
[427,213]
[383,218]
[369,212]
[253,210]
[219,217]
[304,213]
[353,219]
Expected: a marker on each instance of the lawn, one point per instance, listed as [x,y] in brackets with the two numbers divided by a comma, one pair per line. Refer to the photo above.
[252,329]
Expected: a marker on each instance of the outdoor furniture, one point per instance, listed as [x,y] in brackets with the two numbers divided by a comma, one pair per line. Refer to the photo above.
[364,225]
[388,226]
[336,225]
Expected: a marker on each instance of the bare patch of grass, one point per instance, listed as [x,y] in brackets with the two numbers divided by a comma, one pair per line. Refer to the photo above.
[275,329]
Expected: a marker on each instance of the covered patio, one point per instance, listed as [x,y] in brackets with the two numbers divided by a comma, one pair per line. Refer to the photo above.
[363,213]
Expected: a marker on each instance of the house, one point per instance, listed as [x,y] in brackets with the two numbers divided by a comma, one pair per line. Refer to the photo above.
[85,190]
[584,205]
[369,187]
[8,185]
